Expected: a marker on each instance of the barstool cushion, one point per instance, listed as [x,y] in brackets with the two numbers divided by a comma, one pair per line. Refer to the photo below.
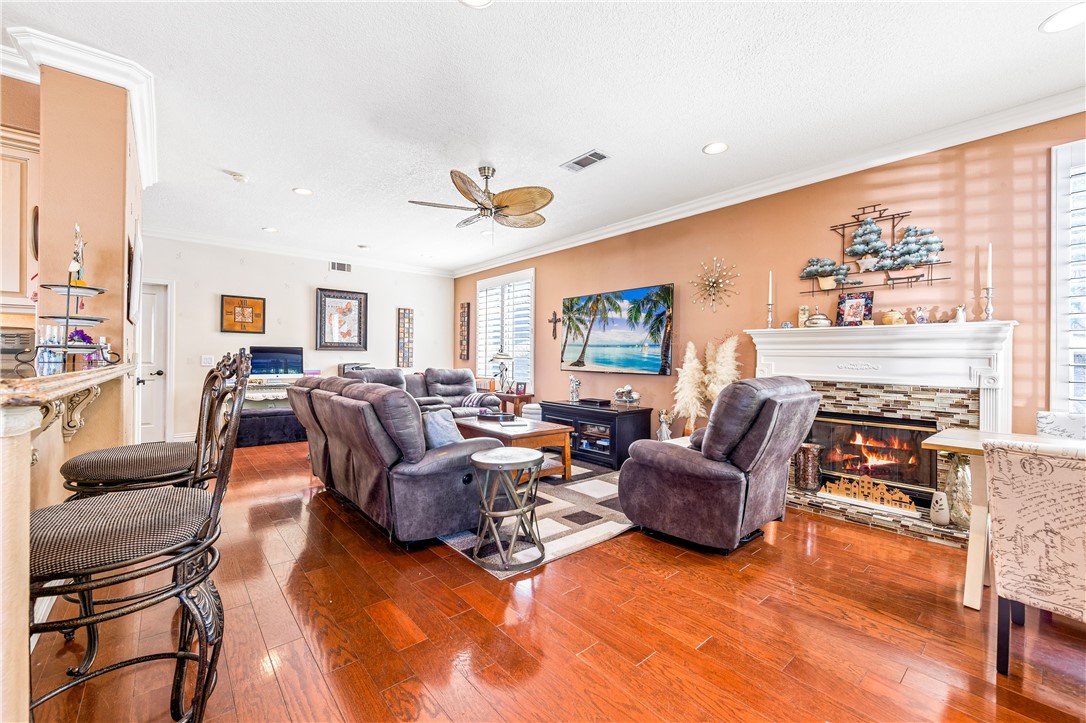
[131,463]
[108,529]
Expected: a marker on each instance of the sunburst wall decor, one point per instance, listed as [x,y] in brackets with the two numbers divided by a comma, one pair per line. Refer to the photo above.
[714,284]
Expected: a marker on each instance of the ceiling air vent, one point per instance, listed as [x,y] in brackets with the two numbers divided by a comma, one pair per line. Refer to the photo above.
[339,266]
[582,162]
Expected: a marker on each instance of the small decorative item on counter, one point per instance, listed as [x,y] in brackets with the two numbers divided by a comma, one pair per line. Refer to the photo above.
[940,510]
[574,389]
[817,319]
[786,325]
[828,273]
[664,432]
[891,316]
[920,315]
[853,308]
[626,395]
[959,314]
[804,312]
[867,244]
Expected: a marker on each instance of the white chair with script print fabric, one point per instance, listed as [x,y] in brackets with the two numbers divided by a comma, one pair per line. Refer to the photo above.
[1037,502]
[1061,424]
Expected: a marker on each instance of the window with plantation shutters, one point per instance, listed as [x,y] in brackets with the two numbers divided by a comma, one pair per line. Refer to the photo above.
[504,324]
[1068,385]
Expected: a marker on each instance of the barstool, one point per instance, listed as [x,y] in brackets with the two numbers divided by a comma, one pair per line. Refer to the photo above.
[146,465]
[514,473]
[84,545]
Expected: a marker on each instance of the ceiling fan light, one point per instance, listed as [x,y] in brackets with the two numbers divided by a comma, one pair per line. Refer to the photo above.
[1065,19]
[477,4]
[711,149]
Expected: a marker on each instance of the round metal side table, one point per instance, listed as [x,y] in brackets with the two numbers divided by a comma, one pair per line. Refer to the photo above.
[508,478]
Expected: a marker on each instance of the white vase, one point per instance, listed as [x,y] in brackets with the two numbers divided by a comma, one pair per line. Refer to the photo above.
[940,509]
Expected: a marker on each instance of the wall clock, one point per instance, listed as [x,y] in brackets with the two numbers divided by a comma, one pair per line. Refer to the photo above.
[243,314]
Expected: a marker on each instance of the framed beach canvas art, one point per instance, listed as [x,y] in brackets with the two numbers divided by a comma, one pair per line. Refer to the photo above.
[341,319]
[625,331]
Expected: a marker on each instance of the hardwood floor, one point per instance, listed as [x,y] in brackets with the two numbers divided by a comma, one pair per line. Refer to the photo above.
[818,620]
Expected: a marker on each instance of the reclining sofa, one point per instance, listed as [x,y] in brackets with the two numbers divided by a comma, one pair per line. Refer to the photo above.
[434,389]
[367,442]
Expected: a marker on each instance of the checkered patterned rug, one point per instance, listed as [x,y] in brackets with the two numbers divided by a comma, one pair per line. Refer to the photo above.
[572,515]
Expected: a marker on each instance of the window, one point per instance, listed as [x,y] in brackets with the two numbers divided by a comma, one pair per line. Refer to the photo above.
[504,308]
[1068,378]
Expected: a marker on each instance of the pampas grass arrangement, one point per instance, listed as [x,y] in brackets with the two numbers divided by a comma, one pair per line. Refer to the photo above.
[721,367]
[689,389]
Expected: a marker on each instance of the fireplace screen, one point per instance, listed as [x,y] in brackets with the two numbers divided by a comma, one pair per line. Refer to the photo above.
[886,450]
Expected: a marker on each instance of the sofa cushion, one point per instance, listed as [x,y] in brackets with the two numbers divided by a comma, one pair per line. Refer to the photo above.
[452,385]
[416,385]
[440,429]
[390,377]
[738,406]
[336,385]
[399,415]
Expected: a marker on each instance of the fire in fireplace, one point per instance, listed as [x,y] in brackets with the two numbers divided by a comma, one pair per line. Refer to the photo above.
[886,450]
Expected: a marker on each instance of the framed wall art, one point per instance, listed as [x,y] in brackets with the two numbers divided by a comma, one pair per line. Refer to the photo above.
[242,314]
[465,334]
[405,337]
[855,308]
[341,319]
[135,276]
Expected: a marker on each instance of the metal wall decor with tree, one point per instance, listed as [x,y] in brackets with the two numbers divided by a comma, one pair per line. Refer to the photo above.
[714,284]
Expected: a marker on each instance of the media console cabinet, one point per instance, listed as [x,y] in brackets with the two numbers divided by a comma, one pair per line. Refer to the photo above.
[602,435]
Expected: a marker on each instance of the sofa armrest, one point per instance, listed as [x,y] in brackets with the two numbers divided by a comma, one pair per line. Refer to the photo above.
[449,457]
[673,459]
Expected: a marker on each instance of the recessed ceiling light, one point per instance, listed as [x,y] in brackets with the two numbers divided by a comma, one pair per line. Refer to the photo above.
[713,148]
[270,229]
[477,4]
[238,177]
[364,247]
[1067,18]
[303,191]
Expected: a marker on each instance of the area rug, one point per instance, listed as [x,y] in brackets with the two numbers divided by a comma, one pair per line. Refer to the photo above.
[572,515]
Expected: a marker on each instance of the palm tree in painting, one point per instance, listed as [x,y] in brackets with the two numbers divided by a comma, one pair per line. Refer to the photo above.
[598,308]
[654,310]
[573,318]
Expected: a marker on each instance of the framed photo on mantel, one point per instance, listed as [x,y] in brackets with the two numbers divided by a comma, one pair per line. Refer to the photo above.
[242,314]
[341,319]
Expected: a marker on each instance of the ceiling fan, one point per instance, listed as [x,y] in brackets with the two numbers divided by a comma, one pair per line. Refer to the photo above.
[515,207]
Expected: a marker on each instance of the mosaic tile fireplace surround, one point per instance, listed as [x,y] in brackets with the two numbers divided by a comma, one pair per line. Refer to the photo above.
[884,377]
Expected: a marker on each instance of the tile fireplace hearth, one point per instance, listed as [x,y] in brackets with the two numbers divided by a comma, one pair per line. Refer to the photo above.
[912,380]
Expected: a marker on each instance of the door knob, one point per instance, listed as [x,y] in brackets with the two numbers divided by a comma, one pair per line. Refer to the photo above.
[157,373]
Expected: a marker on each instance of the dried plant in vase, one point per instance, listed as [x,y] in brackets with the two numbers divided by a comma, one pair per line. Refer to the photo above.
[688,389]
[721,367]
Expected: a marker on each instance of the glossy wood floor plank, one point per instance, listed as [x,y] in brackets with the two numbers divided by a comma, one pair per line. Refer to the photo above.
[816,620]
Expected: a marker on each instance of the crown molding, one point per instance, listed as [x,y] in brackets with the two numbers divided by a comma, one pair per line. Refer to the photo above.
[40,49]
[167,235]
[14,65]
[1045,109]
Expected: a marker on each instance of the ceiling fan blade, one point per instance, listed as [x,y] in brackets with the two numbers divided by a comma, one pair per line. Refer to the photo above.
[524,200]
[470,189]
[528,220]
[442,205]
[469,220]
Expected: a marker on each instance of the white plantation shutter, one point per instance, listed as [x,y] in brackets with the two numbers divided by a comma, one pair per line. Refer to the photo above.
[1068,381]
[505,308]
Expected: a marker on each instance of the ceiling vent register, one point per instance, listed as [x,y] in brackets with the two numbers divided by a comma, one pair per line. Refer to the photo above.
[582,162]
[339,266]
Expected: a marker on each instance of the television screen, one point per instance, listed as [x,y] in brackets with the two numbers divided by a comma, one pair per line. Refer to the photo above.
[276,359]
[619,331]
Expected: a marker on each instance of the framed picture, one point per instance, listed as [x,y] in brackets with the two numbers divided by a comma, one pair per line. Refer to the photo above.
[855,308]
[405,337]
[242,314]
[341,319]
[135,276]
[465,323]
[521,388]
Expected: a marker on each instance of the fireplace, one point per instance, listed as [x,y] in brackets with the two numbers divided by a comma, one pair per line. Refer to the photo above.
[856,447]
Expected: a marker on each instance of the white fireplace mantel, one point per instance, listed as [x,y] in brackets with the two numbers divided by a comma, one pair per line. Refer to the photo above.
[975,355]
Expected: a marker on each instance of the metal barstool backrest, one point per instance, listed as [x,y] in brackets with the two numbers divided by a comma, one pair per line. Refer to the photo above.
[216,440]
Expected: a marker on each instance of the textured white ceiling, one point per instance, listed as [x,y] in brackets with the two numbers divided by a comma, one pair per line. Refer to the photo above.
[371,105]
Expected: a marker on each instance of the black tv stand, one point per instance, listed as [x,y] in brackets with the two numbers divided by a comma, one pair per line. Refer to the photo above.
[601,435]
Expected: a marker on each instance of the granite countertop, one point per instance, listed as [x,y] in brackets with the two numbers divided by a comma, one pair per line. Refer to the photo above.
[34,390]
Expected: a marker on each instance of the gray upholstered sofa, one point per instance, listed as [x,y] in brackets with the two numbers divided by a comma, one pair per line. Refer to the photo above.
[734,477]
[433,389]
[371,448]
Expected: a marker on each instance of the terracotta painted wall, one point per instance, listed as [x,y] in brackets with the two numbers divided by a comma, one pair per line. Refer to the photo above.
[994,190]
[19,104]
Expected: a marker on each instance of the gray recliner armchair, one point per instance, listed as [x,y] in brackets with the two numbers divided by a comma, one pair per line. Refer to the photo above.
[734,477]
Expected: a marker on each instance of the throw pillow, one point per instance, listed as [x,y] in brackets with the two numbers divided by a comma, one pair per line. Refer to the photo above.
[475,400]
[440,429]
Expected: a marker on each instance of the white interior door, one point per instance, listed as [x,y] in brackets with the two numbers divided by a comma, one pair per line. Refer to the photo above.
[154,368]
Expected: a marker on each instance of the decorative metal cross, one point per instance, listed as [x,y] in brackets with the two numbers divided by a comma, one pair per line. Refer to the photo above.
[554,321]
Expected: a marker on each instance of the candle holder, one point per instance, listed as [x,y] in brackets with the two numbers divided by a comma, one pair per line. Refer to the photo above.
[769,316]
[988,308]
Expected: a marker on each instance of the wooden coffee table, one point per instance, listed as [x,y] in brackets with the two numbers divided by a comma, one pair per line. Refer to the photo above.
[527,433]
